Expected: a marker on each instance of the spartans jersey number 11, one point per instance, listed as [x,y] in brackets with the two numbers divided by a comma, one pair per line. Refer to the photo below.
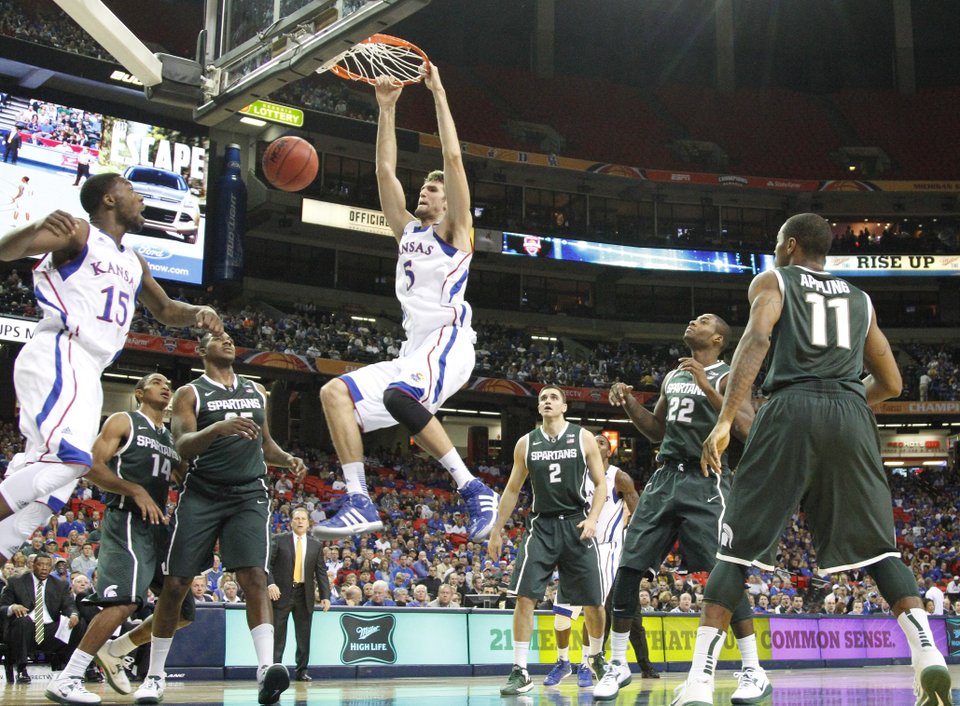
[818,319]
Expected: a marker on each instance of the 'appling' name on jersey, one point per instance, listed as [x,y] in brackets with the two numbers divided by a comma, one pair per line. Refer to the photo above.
[830,286]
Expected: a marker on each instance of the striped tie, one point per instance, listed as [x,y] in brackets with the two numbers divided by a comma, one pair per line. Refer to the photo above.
[38,614]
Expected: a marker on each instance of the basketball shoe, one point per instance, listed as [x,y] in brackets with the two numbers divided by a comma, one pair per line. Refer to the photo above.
[560,670]
[932,682]
[584,676]
[694,692]
[482,505]
[114,668]
[70,690]
[615,676]
[519,682]
[357,514]
[753,687]
[271,682]
[151,691]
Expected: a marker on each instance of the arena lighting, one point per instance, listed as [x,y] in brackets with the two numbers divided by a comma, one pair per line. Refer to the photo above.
[544,338]
[935,463]
[256,122]
[893,464]
[120,376]
[114,36]
[364,318]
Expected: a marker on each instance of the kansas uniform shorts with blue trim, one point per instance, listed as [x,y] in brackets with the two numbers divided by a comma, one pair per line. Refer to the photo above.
[430,374]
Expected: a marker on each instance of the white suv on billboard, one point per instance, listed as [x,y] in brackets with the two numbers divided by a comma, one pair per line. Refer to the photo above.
[169,207]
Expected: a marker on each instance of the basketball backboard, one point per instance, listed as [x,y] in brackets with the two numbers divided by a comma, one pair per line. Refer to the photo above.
[251,48]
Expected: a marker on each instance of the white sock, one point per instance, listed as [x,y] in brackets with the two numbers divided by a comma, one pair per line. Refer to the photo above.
[263,643]
[355,478]
[618,646]
[706,652]
[77,665]
[596,645]
[520,650]
[455,466]
[916,627]
[563,653]
[159,649]
[123,645]
[748,652]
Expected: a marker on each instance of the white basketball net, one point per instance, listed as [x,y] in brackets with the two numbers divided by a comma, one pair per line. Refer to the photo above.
[368,60]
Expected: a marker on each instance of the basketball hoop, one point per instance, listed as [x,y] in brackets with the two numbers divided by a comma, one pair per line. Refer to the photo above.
[381,55]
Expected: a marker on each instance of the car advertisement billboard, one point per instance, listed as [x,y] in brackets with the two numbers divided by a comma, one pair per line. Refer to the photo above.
[50,149]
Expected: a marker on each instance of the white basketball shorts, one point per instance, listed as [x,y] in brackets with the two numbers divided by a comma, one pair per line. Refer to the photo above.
[430,374]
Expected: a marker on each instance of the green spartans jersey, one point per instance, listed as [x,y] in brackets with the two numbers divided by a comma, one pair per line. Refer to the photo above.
[821,331]
[230,460]
[690,416]
[558,472]
[147,459]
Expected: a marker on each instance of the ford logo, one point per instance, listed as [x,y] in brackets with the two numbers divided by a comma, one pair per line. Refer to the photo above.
[152,252]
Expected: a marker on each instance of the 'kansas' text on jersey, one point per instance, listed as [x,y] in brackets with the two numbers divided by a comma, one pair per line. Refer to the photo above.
[230,460]
[558,472]
[690,416]
[147,459]
[92,297]
[821,332]
[431,283]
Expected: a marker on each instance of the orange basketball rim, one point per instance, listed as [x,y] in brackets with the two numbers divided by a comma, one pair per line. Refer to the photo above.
[381,55]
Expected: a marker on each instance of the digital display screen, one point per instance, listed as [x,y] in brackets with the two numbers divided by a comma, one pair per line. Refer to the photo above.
[60,144]
[675,260]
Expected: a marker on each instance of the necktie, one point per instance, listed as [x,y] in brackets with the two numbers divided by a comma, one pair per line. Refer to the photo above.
[298,563]
[38,614]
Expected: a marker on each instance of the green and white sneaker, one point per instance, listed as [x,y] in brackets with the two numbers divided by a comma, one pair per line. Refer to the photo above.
[932,687]
[599,665]
[519,682]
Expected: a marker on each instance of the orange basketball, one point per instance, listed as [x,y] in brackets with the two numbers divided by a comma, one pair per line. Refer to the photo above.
[290,163]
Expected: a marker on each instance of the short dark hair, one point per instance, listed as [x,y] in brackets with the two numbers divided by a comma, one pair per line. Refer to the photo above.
[812,233]
[142,382]
[723,328]
[95,188]
[42,555]
[563,395]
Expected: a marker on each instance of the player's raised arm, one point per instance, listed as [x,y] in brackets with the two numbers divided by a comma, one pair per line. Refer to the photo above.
[459,219]
[651,425]
[392,199]
[58,232]
[172,312]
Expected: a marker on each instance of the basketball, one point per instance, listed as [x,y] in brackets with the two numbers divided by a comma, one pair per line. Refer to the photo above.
[290,163]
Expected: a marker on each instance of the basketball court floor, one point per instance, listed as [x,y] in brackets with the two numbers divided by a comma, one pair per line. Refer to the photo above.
[868,686]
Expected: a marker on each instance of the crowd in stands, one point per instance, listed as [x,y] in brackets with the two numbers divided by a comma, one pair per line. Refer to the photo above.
[502,351]
[326,94]
[44,23]
[424,546]
[52,121]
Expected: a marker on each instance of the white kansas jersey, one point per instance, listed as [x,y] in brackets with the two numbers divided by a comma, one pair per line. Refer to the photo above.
[92,297]
[431,283]
[610,523]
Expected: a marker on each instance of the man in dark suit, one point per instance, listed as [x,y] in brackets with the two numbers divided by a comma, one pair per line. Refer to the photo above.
[32,624]
[297,570]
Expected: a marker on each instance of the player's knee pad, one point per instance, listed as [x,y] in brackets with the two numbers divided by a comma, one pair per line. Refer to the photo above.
[14,530]
[626,592]
[561,622]
[406,410]
[37,481]
[725,586]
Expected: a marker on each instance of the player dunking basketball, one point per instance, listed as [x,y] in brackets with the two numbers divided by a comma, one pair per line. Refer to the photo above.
[437,357]
[815,443]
